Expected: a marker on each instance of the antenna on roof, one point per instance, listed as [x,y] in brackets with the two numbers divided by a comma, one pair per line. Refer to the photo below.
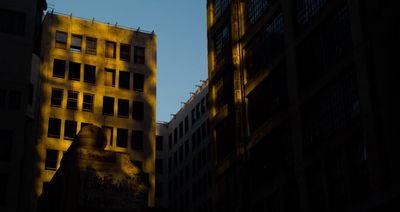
[52,11]
[70,15]
[92,19]
[152,32]
[116,23]
[138,29]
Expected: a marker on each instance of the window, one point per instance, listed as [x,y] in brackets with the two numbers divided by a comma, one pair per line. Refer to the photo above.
[159,143]
[137,140]
[198,110]
[186,124]
[170,164]
[159,193]
[203,130]
[59,68]
[91,45]
[31,92]
[123,108]
[61,40]
[56,97]
[159,166]
[170,141]
[137,110]
[139,55]
[125,52]
[124,79]
[109,77]
[70,129]
[12,22]
[110,49]
[3,188]
[14,100]
[255,8]
[193,116]
[87,102]
[89,74]
[186,148]
[219,7]
[203,107]
[181,154]
[54,128]
[138,82]
[51,160]
[74,71]
[3,94]
[72,100]
[108,105]
[122,138]
[108,131]
[175,135]
[306,10]
[76,43]
[221,43]
[180,130]
[6,141]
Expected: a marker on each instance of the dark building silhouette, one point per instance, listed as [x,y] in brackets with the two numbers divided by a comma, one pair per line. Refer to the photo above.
[303,106]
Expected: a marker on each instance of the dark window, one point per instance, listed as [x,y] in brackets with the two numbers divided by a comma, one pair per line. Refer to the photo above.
[203,107]
[170,164]
[3,188]
[159,193]
[186,124]
[181,154]
[76,43]
[14,100]
[108,105]
[59,68]
[193,116]
[51,160]
[175,136]
[137,110]
[124,79]
[6,141]
[221,43]
[159,143]
[70,129]
[123,108]
[108,131]
[72,100]
[170,141]
[89,74]
[139,55]
[255,8]
[31,92]
[137,140]
[194,141]
[110,49]
[203,130]
[219,7]
[125,52]
[138,82]
[198,111]
[88,102]
[306,10]
[180,130]
[3,94]
[175,159]
[74,71]
[54,128]
[122,138]
[91,45]
[159,166]
[61,40]
[12,22]
[186,148]
[109,77]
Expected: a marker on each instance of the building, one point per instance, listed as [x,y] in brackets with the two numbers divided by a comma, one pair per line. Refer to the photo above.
[99,74]
[183,165]
[302,110]
[20,23]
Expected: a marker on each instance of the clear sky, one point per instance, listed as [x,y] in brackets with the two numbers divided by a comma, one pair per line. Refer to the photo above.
[180,26]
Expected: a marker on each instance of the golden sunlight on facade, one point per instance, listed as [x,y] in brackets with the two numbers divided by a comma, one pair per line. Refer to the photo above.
[99,74]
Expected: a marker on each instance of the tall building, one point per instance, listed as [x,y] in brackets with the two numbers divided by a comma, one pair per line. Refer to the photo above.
[100,74]
[302,110]
[183,164]
[20,22]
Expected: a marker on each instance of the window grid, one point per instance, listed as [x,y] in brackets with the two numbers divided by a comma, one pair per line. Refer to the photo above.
[72,100]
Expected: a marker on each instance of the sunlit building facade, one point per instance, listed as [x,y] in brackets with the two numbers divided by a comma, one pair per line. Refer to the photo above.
[20,22]
[301,104]
[183,165]
[100,74]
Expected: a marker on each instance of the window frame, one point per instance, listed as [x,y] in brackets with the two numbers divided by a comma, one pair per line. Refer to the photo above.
[53,98]
[61,43]
[110,55]
[72,100]
[89,74]
[90,104]
[125,55]
[73,71]
[75,47]
[89,48]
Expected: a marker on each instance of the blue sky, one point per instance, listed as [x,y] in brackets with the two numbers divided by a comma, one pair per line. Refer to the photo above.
[180,26]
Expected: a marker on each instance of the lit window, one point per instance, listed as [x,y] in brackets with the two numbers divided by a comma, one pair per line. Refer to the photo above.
[124,79]
[51,160]
[137,110]
[70,129]
[123,108]
[54,128]
[137,140]
[56,97]
[74,71]
[76,43]
[125,52]
[59,68]
[89,74]
[139,55]
[109,77]
[108,106]
[122,138]
[110,49]
[72,100]
[87,102]
[138,82]
[61,40]
[91,45]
